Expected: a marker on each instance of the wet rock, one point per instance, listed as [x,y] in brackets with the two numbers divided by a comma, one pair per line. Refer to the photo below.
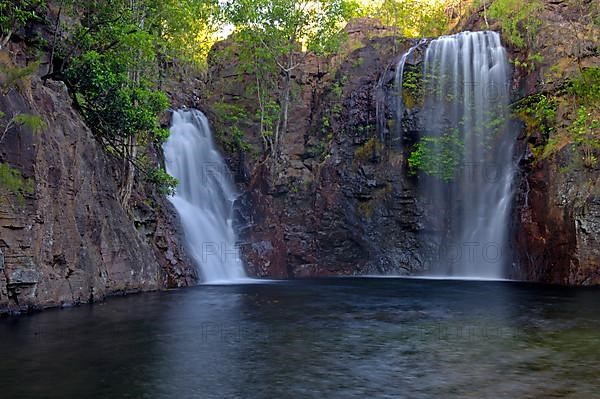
[24,276]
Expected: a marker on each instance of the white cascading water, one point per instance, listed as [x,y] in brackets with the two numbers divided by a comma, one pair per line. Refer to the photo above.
[204,198]
[399,78]
[466,94]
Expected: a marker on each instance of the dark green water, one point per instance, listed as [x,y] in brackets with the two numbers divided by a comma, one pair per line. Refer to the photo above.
[342,338]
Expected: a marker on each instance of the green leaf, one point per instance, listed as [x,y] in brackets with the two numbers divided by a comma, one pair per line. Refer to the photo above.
[33,122]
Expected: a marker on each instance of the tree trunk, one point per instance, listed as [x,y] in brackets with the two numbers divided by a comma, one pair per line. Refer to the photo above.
[285,106]
[130,152]
[487,25]
[128,172]
[54,36]
[4,40]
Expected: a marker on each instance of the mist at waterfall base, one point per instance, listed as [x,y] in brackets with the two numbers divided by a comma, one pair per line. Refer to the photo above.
[465,115]
[204,198]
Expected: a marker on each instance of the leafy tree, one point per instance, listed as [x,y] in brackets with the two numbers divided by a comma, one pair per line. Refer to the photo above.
[15,14]
[411,18]
[185,30]
[280,34]
[519,20]
[113,64]
[123,112]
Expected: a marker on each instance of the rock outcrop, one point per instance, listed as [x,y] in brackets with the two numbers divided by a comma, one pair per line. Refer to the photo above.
[339,201]
[68,240]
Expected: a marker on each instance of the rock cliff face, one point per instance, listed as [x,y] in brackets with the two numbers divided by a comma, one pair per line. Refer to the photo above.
[559,207]
[68,240]
[339,202]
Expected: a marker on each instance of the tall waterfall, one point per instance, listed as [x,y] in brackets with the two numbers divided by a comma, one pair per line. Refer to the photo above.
[204,197]
[466,117]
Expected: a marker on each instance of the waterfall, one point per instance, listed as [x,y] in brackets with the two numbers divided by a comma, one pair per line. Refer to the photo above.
[398,83]
[465,117]
[204,197]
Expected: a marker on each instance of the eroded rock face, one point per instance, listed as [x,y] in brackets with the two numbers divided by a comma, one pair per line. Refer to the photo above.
[70,241]
[558,226]
[342,203]
[339,201]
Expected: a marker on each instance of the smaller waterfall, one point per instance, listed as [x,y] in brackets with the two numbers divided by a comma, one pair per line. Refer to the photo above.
[398,82]
[204,197]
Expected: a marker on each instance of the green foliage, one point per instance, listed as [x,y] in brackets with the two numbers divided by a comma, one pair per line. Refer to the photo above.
[164,182]
[33,122]
[337,89]
[160,135]
[586,86]
[274,38]
[113,62]
[145,31]
[519,20]
[412,86]
[268,116]
[184,30]
[533,61]
[585,131]
[15,14]
[113,105]
[12,181]
[337,110]
[585,128]
[416,18]
[12,77]
[280,25]
[539,114]
[121,108]
[318,150]
[230,118]
[437,156]
[358,62]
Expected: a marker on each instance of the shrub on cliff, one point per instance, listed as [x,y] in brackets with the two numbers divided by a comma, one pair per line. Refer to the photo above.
[113,62]
[15,14]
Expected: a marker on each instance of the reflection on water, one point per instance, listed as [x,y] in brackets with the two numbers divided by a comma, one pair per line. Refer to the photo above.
[336,338]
